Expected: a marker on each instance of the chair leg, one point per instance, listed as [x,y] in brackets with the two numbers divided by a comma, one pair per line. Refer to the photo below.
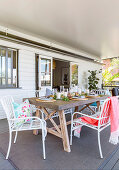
[71,133]
[99,145]
[71,138]
[43,142]
[10,140]
[15,137]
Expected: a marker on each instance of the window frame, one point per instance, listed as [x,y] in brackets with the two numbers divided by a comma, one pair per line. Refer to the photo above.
[46,72]
[7,49]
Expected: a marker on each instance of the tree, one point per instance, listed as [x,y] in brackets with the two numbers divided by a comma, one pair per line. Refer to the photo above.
[111,72]
[92,80]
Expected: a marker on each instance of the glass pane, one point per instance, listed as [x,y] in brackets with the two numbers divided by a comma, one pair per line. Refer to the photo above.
[14,68]
[3,52]
[9,54]
[9,65]
[75,74]
[3,81]
[9,81]
[3,66]
[14,77]
[45,65]
[45,79]
[0,68]
[49,66]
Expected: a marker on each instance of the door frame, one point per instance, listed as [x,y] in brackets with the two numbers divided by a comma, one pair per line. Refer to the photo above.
[39,69]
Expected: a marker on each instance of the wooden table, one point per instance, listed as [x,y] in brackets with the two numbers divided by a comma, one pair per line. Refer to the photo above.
[59,106]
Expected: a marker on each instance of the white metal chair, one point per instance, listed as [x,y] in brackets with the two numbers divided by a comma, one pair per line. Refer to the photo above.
[103,118]
[98,92]
[34,123]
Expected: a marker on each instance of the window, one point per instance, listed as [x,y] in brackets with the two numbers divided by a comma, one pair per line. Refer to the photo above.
[74,74]
[8,67]
[45,72]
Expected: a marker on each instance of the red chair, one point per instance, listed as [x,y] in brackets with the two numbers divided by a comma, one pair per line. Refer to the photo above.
[98,121]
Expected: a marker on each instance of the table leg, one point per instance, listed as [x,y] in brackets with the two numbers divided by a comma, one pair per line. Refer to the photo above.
[98,104]
[35,132]
[64,131]
[76,110]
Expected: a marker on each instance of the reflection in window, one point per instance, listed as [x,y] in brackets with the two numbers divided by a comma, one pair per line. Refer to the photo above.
[45,72]
[75,74]
[8,67]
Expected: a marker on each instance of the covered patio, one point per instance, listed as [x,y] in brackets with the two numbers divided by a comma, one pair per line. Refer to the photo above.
[58,65]
[27,152]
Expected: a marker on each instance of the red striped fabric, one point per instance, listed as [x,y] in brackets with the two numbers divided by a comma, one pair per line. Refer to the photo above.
[105,113]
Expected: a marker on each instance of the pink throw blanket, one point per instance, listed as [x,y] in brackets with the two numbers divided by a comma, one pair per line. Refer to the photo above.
[114,120]
[112,109]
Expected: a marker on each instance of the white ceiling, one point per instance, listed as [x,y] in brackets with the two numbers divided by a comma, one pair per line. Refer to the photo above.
[88,25]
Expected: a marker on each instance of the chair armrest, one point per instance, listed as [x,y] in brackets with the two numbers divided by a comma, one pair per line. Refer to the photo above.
[82,114]
[93,117]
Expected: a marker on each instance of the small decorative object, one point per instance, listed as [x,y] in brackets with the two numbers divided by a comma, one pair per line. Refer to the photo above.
[69,95]
[92,80]
[61,88]
[65,76]
[82,97]
[79,90]
[65,94]
[58,95]
[87,91]
[55,97]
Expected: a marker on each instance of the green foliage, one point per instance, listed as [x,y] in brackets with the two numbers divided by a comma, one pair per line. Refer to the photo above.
[55,97]
[115,62]
[108,79]
[92,80]
[65,98]
[107,75]
[75,74]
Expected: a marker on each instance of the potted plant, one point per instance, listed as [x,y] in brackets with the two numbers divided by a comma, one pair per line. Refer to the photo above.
[92,80]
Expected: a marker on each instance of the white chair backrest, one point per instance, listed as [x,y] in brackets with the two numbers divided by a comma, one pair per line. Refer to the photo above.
[100,91]
[104,112]
[6,102]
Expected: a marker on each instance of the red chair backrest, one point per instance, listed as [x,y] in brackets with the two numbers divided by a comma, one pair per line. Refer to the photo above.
[105,112]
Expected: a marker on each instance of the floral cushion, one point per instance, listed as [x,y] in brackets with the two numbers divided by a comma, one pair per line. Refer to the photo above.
[22,110]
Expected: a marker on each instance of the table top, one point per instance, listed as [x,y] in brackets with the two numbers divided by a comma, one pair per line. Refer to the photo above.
[62,105]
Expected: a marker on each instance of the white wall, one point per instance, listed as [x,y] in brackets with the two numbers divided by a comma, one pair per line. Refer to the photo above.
[84,66]
[27,70]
